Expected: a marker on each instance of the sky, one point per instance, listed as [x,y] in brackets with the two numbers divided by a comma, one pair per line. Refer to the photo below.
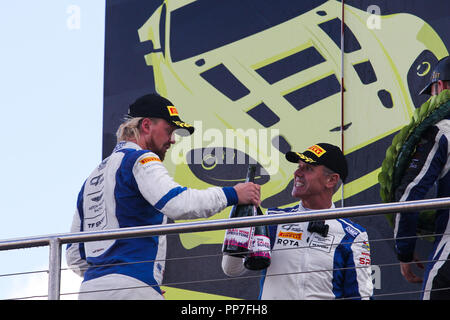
[51,102]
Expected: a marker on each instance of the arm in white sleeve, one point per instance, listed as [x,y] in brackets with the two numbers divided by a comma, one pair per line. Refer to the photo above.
[75,251]
[362,262]
[174,200]
[233,266]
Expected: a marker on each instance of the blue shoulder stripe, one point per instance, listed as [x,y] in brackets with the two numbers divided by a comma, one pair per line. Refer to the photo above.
[350,227]
[282,210]
[344,281]
[169,196]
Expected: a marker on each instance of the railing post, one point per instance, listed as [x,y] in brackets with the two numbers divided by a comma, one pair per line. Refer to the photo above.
[54,271]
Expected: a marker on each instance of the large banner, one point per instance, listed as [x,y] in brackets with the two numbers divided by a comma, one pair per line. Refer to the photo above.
[258,78]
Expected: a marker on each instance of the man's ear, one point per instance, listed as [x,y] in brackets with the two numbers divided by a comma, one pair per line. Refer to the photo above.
[332,180]
[146,125]
[443,85]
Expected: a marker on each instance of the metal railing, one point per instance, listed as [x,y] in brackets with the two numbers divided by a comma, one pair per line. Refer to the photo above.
[55,241]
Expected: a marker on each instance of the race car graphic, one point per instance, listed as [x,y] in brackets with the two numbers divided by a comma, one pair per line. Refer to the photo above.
[275,67]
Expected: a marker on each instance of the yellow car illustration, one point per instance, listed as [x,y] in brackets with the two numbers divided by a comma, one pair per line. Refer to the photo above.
[277,71]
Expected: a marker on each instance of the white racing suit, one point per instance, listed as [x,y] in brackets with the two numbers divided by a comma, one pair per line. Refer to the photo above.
[308,266]
[132,188]
[430,166]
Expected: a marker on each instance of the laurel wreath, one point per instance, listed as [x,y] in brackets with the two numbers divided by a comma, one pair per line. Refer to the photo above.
[404,144]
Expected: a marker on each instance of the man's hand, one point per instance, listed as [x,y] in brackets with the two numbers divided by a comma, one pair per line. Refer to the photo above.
[408,274]
[248,193]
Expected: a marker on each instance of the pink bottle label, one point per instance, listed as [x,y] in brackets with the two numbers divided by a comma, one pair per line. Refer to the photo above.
[239,237]
[260,246]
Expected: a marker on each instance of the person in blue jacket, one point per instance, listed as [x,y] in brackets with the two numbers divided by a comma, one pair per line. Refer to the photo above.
[132,188]
[429,166]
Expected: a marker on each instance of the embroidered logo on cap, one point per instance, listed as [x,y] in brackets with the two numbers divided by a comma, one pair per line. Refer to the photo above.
[317,150]
[172,110]
[182,124]
[305,158]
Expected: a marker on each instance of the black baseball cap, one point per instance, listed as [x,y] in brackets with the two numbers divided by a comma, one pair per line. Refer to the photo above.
[440,72]
[155,106]
[324,154]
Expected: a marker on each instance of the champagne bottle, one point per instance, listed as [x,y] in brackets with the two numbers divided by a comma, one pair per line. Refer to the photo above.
[259,255]
[238,240]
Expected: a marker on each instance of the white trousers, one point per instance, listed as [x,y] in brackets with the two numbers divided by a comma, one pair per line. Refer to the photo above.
[117,287]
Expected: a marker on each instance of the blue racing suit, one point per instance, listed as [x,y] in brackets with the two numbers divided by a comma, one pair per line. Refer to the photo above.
[429,167]
[132,188]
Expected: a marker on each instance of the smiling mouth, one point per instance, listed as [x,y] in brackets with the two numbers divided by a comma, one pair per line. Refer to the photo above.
[298,183]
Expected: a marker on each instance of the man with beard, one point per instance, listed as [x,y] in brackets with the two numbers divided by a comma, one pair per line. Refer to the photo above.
[132,188]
